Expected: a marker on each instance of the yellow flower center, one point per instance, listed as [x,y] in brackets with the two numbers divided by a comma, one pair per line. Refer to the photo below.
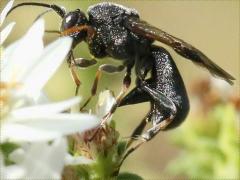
[5,97]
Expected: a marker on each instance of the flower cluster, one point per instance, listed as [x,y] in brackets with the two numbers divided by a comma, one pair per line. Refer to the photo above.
[33,129]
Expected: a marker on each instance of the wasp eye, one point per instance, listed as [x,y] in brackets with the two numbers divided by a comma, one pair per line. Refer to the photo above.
[74,18]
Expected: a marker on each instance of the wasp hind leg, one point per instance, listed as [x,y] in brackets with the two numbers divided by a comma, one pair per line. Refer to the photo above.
[166,93]
[163,111]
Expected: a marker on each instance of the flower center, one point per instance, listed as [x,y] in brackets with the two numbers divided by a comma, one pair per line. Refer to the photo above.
[5,97]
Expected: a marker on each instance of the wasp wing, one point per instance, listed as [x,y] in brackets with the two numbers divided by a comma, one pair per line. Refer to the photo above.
[181,47]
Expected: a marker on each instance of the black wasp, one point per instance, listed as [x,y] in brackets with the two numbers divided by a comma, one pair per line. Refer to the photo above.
[117,31]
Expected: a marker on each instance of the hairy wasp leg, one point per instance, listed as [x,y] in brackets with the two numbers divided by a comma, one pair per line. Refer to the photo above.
[103,68]
[163,111]
[156,128]
[75,78]
[73,72]
[126,84]
[132,149]
[166,93]
[75,63]
[146,136]
[138,130]
[84,63]
[159,101]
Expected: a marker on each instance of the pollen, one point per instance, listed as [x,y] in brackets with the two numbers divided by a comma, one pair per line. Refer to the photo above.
[5,96]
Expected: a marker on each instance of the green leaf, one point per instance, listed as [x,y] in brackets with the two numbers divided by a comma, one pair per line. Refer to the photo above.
[128,176]
[6,149]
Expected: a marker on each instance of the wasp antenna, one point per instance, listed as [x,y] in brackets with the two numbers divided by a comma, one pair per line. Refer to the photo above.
[42,14]
[53,31]
[58,9]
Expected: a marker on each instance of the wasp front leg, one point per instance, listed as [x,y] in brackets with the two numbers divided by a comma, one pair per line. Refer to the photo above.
[103,68]
[73,72]
[125,85]
[75,63]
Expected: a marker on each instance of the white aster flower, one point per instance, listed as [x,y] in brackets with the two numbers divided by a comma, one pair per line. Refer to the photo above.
[39,160]
[26,68]
[105,102]
[45,122]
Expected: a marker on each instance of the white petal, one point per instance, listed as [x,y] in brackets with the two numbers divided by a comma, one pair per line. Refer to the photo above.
[105,103]
[10,172]
[45,161]
[18,132]
[39,160]
[49,62]
[42,98]
[7,53]
[17,156]
[47,127]
[62,122]
[24,54]
[5,32]
[46,108]
[5,11]
[76,160]
[13,172]
[30,100]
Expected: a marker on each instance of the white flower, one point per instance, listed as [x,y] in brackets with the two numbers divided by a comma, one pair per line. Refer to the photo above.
[5,11]
[27,66]
[39,160]
[23,75]
[105,102]
[6,31]
[45,122]
[30,163]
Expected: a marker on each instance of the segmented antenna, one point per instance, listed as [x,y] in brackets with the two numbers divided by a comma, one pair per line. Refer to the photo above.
[59,10]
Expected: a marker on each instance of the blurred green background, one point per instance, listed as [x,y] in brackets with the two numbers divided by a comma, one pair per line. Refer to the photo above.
[211,26]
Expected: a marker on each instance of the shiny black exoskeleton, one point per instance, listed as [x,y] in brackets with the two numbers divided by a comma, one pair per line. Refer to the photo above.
[117,31]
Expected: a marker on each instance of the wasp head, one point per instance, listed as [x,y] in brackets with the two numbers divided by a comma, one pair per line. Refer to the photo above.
[74,25]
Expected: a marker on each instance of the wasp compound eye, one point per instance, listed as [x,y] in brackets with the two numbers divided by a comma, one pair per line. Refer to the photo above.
[74,18]
[73,25]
